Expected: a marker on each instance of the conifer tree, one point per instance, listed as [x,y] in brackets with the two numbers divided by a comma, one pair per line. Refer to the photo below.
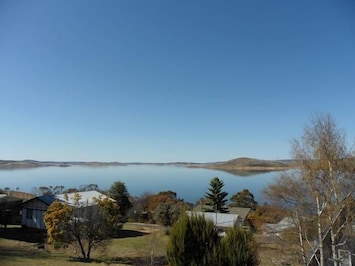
[216,197]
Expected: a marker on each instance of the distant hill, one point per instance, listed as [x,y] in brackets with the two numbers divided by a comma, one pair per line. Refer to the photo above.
[12,164]
[250,164]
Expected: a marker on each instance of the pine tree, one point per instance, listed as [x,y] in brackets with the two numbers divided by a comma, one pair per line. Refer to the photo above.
[216,197]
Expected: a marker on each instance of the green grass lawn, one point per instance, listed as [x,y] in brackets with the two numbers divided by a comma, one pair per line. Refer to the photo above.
[137,245]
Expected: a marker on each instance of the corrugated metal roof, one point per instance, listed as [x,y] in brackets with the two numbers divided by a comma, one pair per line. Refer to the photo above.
[87,198]
[242,212]
[219,219]
[47,199]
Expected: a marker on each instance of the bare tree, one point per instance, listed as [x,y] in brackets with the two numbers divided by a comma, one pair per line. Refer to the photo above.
[323,186]
[290,190]
[327,166]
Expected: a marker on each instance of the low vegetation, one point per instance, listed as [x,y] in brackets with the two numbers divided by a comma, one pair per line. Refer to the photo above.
[195,241]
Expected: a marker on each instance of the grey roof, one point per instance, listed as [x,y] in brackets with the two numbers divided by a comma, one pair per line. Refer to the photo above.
[219,219]
[242,212]
[4,198]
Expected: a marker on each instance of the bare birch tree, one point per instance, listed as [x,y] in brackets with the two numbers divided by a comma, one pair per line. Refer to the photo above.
[326,174]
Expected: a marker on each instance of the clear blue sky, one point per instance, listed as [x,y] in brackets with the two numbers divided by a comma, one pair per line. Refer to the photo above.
[161,81]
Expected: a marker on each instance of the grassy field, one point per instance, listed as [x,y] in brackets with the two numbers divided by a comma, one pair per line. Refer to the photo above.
[137,245]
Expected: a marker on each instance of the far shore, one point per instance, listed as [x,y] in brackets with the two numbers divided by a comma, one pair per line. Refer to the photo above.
[233,166]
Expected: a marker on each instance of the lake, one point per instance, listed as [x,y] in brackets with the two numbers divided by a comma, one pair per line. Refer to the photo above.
[190,184]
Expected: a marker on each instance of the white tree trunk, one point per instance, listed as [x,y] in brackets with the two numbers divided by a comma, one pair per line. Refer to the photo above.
[320,237]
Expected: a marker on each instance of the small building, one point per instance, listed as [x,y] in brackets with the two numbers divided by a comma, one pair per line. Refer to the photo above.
[33,210]
[220,220]
[241,212]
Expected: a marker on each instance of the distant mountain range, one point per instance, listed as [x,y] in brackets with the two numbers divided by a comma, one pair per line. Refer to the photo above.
[235,166]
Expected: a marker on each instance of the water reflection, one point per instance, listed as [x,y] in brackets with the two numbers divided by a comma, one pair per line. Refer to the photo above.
[189,183]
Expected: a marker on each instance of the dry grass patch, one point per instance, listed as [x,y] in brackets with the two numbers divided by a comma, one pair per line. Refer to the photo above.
[273,251]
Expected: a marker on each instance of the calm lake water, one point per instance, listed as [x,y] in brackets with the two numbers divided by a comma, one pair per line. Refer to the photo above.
[189,183]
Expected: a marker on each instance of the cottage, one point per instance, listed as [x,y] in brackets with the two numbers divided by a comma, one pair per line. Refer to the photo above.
[33,210]
[220,220]
[242,213]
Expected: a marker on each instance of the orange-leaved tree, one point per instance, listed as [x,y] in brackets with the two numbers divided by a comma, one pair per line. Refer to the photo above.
[82,224]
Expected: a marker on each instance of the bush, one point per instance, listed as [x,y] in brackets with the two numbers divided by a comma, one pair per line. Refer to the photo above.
[194,241]
[238,248]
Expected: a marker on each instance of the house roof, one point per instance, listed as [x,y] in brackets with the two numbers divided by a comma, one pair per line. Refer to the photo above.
[21,195]
[87,198]
[47,199]
[4,198]
[242,212]
[219,219]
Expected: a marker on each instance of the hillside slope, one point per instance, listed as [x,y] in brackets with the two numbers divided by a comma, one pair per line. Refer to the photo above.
[250,164]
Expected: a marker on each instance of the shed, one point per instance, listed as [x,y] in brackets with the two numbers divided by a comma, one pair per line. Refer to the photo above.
[33,211]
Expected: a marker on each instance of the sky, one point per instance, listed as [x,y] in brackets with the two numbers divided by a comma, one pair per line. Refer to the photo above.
[167,81]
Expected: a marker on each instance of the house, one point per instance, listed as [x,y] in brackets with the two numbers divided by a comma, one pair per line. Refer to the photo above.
[33,210]
[87,198]
[220,220]
[241,212]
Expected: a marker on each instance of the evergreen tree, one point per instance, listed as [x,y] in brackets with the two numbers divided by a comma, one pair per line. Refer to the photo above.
[119,193]
[244,199]
[193,241]
[216,197]
[238,248]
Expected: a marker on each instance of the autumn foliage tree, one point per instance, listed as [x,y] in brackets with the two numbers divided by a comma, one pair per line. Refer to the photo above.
[80,224]
[322,189]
